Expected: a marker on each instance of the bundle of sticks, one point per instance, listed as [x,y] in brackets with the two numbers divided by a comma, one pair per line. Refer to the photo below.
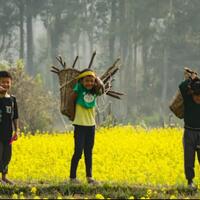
[188,73]
[67,78]
[106,77]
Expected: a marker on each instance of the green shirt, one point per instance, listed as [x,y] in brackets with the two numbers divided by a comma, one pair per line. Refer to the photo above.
[85,106]
[85,97]
[191,109]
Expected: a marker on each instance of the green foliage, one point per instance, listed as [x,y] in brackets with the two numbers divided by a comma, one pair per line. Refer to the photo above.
[20,64]
[4,65]
[164,33]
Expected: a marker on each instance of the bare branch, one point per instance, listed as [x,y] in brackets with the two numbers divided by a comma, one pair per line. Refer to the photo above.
[60,60]
[113,95]
[56,72]
[73,66]
[110,69]
[109,75]
[117,93]
[55,68]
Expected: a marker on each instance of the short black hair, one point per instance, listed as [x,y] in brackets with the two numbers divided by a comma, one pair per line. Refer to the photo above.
[195,86]
[5,74]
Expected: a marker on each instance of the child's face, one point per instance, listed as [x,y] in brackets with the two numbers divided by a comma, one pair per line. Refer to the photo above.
[88,82]
[5,82]
[196,99]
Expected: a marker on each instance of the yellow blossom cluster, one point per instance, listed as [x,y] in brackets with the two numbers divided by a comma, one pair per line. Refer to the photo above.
[122,154]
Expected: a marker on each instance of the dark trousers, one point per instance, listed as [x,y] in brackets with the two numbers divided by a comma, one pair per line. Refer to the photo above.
[83,140]
[191,144]
[5,156]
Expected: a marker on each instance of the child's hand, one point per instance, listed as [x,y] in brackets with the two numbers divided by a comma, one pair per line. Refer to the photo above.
[15,136]
[99,86]
[2,89]
[193,76]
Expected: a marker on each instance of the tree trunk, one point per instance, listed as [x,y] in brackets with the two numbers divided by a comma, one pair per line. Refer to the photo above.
[164,82]
[123,32]
[144,63]
[72,56]
[21,27]
[29,28]
[55,36]
[50,80]
[112,36]
[135,71]
[91,42]
[84,49]
[129,80]
[77,48]
[123,108]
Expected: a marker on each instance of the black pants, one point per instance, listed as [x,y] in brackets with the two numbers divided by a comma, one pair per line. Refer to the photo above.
[83,140]
[191,144]
[5,156]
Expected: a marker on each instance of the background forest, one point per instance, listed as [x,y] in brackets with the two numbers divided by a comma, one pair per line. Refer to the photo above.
[155,40]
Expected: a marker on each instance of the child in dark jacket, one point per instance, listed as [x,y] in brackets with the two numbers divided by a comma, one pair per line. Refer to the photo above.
[8,120]
[190,90]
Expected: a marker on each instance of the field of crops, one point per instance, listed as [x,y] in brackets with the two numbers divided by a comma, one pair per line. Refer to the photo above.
[122,155]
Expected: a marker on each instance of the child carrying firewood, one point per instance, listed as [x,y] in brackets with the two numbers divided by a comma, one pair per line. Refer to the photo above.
[190,90]
[84,95]
[79,90]
[186,105]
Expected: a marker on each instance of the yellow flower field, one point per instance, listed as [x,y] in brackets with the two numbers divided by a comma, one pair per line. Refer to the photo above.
[123,154]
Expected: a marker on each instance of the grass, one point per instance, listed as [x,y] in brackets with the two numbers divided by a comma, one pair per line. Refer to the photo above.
[106,190]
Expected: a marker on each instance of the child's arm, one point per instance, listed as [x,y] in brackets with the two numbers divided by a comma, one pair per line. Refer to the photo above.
[15,121]
[74,96]
[16,129]
[185,85]
[99,86]
[72,105]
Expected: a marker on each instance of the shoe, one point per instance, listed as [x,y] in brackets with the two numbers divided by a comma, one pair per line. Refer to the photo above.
[6,181]
[75,181]
[91,181]
[2,182]
[192,186]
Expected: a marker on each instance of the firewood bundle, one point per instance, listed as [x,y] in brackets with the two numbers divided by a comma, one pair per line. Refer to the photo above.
[67,79]
[176,104]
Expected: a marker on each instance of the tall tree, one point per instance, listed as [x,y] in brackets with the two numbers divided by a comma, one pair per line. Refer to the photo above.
[29,36]
[8,22]
[112,29]
[20,4]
